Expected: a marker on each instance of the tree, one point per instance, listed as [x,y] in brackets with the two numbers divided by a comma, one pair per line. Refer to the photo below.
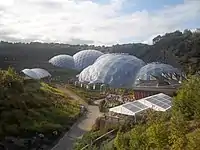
[187,32]
[193,140]
[178,130]
[158,135]
[121,141]
[187,99]
[138,138]
[156,39]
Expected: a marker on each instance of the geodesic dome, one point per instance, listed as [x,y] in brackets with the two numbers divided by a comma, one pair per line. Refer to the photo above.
[30,74]
[116,70]
[85,58]
[36,73]
[41,72]
[63,61]
[155,69]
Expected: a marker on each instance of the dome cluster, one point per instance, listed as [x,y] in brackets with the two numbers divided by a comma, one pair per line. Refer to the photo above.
[114,69]
[78,61]
[119,70]
[36,73]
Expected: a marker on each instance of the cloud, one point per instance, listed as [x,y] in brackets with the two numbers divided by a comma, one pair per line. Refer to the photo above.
[79,41]
[84,21]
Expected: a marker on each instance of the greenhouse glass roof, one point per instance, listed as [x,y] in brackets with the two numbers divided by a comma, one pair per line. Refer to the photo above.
[158,102]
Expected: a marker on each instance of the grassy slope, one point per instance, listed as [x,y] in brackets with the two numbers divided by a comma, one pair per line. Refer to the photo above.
[88,96]
[32,107]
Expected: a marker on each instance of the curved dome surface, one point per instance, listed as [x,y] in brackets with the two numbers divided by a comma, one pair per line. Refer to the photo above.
[117,70]
[36,73]
[85,58]
[41,73]
[155,69]
[30,74]
[62,61]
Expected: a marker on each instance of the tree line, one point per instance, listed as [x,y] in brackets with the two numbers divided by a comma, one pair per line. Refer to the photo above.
[179,49]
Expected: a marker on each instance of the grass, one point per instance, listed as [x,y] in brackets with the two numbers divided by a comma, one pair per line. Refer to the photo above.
[88,96]
[27,107]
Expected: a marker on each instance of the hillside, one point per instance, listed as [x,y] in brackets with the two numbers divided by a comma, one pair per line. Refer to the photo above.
[175,129]
[178,129]
[29,108]
[180,50]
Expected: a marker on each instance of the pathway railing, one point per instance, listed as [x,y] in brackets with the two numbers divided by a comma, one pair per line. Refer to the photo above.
[102,136]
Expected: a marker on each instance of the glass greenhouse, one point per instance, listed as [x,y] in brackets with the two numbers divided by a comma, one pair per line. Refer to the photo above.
[116,70]
[158,102]
[41,73]
[152,70]
[30,73]
[36,73]
[63,61]
[85,58]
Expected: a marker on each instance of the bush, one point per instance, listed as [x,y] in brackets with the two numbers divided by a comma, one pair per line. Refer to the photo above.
[193,140]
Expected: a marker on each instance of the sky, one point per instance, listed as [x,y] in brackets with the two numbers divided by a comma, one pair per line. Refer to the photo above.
[96,22]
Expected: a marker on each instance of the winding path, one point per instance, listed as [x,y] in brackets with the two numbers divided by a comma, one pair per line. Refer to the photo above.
[83,125]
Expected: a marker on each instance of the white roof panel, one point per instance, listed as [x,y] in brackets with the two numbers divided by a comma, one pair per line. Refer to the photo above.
[122,110]
[130,108]
[158,102]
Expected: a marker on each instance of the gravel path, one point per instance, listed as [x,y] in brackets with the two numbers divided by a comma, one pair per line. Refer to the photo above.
[83,125]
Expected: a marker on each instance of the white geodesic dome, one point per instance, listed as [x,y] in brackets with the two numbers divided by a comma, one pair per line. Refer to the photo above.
[85,58]
[36,73]
[63,61]
[155,69]
[42,73]
[30,73]
[116,70]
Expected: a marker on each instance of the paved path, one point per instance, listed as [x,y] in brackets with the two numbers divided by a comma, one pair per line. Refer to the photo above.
[83,125]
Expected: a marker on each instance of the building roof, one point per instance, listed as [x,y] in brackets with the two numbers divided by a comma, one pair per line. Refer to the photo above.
[158,102]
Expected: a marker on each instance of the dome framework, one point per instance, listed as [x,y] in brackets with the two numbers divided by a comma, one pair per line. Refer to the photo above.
[117,70]
[36,73]
[63,61]
[85,58]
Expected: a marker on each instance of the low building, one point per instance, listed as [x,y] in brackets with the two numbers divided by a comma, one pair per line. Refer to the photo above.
[158,102]
[154,87]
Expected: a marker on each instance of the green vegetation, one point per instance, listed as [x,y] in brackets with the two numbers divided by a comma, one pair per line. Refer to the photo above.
[88,95]
[104,105]
[28,106]
[178,129]
[95,133]
[181,49]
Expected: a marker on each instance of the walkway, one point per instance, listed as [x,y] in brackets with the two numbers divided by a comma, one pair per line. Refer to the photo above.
[82,126]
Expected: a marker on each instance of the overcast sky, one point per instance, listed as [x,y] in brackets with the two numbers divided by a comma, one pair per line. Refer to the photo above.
[96,21]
